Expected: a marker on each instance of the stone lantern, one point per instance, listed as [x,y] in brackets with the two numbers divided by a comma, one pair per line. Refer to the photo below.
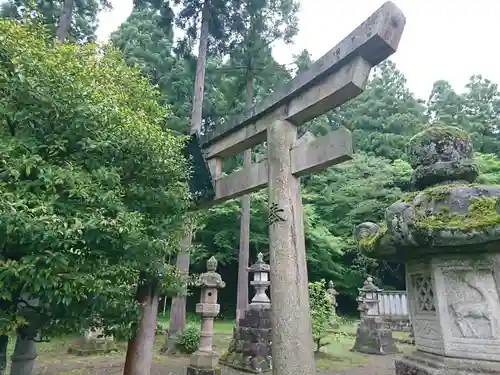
[205,361]
[372,335]
[448,235]
[250,348]
[369,293]
[333,293]
[260,281]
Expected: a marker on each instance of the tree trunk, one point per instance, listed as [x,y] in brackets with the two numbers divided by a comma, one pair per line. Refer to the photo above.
[24,356]
[140,348]
[199,84]
[244,254]
[178,307]
[65,21]
[4,341]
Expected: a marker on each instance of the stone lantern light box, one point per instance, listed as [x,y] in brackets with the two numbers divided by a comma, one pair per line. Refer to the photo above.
[260,271]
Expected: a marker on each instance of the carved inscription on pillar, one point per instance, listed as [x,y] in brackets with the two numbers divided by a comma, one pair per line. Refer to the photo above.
[473,304]
[276,214]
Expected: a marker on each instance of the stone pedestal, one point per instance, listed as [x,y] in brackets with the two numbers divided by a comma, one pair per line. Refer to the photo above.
[460,328]
[92,343]
[421,363]
[205,361]
[372,336]
[250,349]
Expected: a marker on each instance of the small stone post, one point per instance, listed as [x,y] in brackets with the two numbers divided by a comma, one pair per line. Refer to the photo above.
[250,350]
[205,361]
[332,292]
[372,335]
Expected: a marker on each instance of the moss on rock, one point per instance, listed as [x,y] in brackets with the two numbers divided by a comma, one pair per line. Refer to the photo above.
[438,132]
[368,243]
[481,214]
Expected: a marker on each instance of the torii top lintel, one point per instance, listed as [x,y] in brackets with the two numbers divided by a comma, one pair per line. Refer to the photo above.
[369,44]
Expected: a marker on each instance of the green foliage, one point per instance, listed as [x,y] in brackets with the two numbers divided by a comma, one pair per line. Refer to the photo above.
[189,339]
[84,23]
[322,313]
[92,190]
[382,119]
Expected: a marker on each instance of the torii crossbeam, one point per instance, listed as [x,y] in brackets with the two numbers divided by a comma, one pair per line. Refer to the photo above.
[340,75]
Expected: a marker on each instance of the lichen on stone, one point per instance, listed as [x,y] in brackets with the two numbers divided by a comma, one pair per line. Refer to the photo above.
[436,132]
[424,147]
[481,214]
[369,234]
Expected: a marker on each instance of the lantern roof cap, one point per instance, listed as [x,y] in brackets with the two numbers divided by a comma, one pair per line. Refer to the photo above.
[259,265]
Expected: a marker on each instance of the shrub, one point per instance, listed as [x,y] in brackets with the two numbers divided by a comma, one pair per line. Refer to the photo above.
[322,313]
[92,191]
[189,339]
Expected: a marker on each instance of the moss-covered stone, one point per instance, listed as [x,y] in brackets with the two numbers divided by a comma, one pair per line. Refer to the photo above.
[367,243]
[481,214]
[441,153]
[438,132]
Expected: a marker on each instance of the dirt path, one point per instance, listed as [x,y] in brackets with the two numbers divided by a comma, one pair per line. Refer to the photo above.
[113,365]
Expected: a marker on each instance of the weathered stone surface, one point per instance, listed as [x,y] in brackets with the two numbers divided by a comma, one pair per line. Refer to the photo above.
[250,349]
[451,212]
[420,363]
[202,371]
[373,337]
[448,235]
[205,360]
[85,346]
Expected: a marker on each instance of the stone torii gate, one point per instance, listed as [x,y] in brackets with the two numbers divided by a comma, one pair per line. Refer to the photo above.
[334,79]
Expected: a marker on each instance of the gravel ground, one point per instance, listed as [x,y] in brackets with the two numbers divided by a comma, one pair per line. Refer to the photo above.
[377,365]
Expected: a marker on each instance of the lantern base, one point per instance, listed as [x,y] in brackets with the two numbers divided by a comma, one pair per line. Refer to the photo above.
[420,363]
[250,348]
[202,371]
[373,337]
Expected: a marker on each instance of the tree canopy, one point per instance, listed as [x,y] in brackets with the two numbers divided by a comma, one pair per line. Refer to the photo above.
[92,190]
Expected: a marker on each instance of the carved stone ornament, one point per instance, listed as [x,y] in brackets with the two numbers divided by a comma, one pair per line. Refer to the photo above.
[211,279]
[447,232]
[450,212]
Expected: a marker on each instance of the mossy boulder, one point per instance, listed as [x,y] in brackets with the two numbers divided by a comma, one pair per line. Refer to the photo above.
[435,219]
[439,143]
[441,154]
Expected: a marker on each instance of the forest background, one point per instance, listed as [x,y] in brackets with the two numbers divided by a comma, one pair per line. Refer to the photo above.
[382,119]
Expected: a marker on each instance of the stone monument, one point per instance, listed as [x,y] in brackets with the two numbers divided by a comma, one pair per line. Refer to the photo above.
[92,342]
[333,293]
[448,235]
[250,348]
[372,336]
[205,361]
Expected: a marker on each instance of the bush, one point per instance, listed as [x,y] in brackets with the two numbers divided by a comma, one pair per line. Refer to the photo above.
[322,313]
[189,339]
[92,191]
